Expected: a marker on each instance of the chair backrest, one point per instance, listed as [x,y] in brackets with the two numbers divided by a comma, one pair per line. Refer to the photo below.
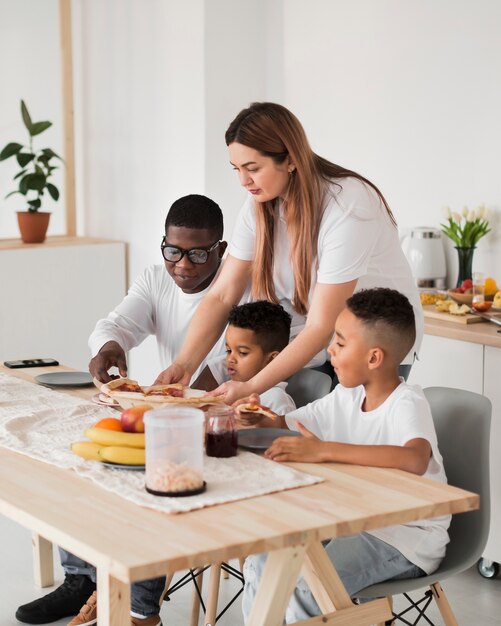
[462,421]
[308,385]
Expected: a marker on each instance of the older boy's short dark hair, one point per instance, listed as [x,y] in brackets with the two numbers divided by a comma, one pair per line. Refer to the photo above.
[195,211]
[387,313]
[270,322]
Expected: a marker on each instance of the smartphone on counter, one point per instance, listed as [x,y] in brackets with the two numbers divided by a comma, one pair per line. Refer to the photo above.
[30,363]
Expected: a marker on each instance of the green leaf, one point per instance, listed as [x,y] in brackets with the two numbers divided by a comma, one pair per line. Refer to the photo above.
[9,150]
[23,158]
[35,181]
[22,185]
[21,173]
[12,193]
[53,191]
[35,204]
[51,154]
[26,116]
[39,127]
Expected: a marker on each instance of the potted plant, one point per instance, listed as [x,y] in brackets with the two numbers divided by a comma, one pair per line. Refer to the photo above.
[32,179]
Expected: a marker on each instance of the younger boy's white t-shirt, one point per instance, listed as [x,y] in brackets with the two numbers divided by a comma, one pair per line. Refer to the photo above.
[404,415]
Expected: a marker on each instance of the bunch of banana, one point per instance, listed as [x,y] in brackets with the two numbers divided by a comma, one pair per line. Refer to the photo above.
[111,446]
[497,299]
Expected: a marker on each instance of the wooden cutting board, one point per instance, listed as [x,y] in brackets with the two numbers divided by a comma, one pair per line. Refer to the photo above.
[431,313]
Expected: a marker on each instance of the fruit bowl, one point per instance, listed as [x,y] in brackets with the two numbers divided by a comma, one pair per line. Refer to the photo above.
[465,298]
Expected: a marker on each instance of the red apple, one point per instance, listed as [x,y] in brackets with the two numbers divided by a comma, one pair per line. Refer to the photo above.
[466,284]
[132,419]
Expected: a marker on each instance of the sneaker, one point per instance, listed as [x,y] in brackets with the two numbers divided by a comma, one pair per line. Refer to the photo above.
[88,613]
[64,601]
[153,620]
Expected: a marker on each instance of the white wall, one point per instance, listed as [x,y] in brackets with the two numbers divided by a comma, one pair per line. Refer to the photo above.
[408,94]
[30,69]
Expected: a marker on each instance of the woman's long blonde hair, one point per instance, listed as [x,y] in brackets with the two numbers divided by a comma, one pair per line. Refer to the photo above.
[275,132]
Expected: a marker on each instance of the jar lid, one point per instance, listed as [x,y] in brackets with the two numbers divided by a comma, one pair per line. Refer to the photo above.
[176,416]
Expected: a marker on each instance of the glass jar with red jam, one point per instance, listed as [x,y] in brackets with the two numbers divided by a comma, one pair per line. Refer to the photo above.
[221,432]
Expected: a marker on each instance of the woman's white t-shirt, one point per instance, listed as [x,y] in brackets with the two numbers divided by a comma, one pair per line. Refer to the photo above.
[356,241]
[403,416]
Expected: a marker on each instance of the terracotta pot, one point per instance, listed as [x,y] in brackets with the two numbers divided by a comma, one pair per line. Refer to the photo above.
[33,225]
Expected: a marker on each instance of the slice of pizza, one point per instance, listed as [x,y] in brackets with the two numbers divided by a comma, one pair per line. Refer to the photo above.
[253,407]
[123,388]
[173,390]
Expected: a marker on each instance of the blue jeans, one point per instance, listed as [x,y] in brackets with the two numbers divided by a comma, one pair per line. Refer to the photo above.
[360,560]
[145,596]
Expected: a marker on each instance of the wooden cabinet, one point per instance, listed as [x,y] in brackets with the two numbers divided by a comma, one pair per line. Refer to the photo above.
[492,389]
[447,362]
[52,295]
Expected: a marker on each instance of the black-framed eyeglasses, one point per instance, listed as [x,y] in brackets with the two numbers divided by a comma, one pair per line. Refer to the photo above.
[198,256]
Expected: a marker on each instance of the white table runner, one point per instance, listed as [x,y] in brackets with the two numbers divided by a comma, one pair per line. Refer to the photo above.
[43,423]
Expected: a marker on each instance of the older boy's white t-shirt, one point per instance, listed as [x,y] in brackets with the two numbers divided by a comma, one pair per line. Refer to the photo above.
[356,241]
[404,415]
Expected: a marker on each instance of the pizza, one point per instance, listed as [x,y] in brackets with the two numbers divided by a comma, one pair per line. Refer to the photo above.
[174,390]
[173,393]
[123,388]
[254,407]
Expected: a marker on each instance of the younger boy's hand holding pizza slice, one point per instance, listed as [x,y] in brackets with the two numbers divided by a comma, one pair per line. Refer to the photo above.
[250,413]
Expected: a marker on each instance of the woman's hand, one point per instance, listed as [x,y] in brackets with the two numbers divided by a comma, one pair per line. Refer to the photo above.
[233,391]
[175,373]
[307,448]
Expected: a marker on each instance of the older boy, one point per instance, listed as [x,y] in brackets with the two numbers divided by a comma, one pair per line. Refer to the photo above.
[371,418]
[160,302]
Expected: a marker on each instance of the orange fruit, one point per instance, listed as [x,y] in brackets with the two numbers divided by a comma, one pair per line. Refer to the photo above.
[490,286]
[110,423]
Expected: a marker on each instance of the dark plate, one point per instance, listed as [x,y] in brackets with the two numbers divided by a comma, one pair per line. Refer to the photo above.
[261,438]
[65,379]
[137,468]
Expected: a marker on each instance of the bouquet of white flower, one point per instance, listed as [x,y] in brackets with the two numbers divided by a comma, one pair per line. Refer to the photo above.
[466,229]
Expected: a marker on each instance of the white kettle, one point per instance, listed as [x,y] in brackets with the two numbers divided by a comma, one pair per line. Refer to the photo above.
[424,251]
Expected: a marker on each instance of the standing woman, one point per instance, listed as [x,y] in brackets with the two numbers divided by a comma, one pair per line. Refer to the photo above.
[309,234]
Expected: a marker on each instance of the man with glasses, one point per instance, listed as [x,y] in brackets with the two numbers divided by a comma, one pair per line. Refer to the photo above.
[160,302]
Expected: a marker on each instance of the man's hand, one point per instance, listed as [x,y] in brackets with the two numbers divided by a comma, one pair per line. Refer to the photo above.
[175,373]
[110,355]
[307,448]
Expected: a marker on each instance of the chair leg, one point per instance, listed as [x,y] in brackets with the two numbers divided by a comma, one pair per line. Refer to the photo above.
[443,605]
[211,605]
[195,607]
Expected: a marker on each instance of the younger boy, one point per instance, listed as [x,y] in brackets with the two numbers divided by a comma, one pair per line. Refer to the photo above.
[371,418]
[256,333]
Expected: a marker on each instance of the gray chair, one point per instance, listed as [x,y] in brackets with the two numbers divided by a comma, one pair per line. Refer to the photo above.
[308,385]
[462,421]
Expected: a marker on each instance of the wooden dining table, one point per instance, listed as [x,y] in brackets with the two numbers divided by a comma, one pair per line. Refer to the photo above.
[130,543]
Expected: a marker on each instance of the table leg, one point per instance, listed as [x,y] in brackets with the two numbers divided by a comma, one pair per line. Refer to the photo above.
[275,588]
[43,564]
[114,600]
[332,597]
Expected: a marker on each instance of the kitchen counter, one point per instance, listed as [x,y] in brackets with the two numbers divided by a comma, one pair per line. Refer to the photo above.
[484,333]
